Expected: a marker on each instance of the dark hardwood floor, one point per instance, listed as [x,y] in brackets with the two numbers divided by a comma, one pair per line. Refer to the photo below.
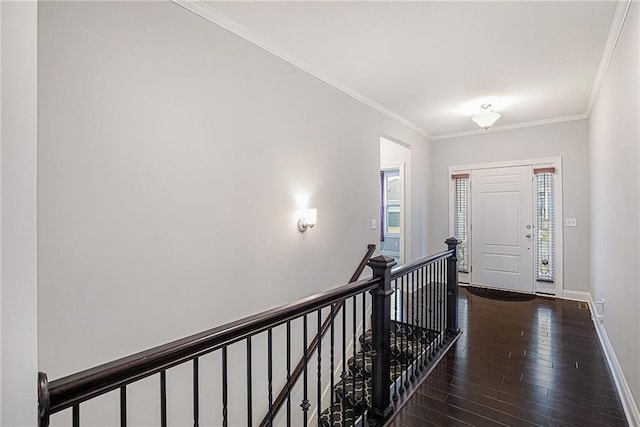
[518,364]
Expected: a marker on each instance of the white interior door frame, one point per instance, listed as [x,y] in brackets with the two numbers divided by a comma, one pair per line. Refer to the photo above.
[403,211]
[556,162]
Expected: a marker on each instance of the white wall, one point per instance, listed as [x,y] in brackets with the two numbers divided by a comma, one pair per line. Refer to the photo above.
[18,288]
[568,140]
[615,186]
[171,155]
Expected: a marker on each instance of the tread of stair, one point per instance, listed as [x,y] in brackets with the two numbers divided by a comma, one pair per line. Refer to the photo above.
[352,402]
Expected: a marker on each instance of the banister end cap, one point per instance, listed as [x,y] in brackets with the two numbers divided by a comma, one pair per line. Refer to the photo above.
[452,241]
[381,261]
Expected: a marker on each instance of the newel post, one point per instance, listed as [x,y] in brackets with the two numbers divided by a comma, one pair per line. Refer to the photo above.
[452,287]
[381,407]
[43,400]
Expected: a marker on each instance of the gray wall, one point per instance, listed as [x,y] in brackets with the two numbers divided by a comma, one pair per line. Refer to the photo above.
[568,140]
[18,287]
[171,155]
[615,202]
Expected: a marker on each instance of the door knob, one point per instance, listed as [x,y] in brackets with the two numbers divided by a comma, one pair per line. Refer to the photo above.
[528,234]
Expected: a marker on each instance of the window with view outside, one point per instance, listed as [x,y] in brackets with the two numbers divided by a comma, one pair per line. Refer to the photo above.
[544,227]
[392,203]
[460,220]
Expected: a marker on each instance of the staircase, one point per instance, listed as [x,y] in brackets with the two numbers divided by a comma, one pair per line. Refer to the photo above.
[352,395]
[413,309]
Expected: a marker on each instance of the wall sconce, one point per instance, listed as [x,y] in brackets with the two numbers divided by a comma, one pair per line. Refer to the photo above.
[306,219]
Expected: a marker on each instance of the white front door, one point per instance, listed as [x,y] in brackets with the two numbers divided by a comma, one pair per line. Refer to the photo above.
[502,228]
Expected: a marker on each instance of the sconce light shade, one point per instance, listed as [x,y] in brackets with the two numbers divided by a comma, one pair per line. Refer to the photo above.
[307,219]
[487,118]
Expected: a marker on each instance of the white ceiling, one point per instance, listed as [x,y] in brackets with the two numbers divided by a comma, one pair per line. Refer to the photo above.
[424,60]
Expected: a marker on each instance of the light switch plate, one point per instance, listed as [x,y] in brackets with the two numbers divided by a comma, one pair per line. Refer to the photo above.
[374,224]
[571,222]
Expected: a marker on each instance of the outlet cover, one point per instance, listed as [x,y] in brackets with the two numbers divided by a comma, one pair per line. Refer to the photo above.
[571,222]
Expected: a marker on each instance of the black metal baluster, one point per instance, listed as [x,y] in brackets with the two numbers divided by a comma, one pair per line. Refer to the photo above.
[440,317]
[432,309]
[395,341]
[444,300]
[288,373]
[196,394]
[332,383]
[270,373]
[419,327]
[405,287]
[344,375]
[353,371]
[249,383]
[416,320]
[443,288]
[305,401]
[75,416]
[163,398]
[423,313]
[412,280]
[319,384]
[362,347]
[224,387]
[123,406]
[404,379]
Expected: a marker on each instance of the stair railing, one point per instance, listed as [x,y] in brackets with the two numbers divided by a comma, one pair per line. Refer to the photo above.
[297,372]
[423,296]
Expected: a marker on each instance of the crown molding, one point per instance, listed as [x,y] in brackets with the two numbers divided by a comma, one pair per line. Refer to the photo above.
[513,126]
[619,18]
[211,14]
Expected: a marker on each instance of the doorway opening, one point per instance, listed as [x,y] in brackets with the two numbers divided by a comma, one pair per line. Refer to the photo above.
[394,222]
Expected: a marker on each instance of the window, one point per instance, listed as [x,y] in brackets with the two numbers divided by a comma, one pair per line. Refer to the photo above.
[544,225]
[461,219]
[391,202]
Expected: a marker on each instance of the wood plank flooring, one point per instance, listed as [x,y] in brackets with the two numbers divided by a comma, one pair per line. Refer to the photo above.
[518,364]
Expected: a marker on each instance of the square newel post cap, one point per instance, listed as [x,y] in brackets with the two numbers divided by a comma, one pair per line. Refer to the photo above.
[452,241]
[381,262]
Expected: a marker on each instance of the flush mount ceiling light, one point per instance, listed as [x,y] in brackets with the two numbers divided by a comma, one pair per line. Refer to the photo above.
[487,118]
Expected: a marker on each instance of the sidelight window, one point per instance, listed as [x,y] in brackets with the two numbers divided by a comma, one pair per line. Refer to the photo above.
[544,225]
[461,219]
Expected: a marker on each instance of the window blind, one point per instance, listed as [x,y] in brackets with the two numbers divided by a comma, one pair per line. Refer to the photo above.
[461,218]
[544,225]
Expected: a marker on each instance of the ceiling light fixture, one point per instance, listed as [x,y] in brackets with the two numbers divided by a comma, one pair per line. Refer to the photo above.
[487,118]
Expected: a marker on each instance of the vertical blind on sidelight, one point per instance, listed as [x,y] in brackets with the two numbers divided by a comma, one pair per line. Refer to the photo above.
[544,226]
[461,218]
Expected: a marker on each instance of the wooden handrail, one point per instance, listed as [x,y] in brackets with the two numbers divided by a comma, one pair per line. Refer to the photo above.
[74,389]
[405,269]
[65,392]
[297,371]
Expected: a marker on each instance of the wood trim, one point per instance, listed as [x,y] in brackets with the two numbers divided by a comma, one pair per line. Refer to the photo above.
[619,18]
[544,170]
[502,128]
[622,386]
[213,15]
[460,175]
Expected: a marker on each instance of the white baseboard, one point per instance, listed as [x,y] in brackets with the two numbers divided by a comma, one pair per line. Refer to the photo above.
[576,295]
[624,392]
